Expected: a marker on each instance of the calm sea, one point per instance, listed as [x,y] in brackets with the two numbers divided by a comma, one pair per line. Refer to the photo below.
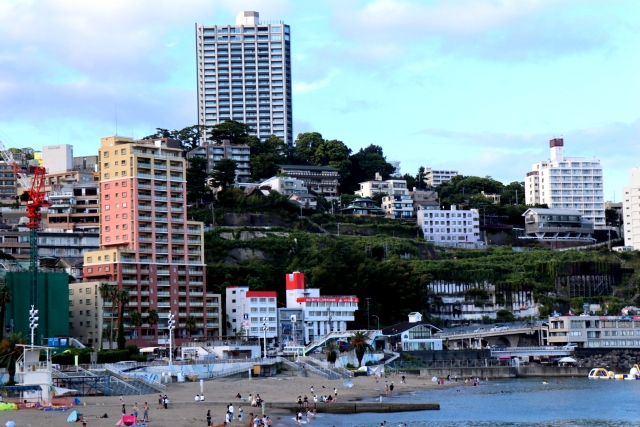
[518,402]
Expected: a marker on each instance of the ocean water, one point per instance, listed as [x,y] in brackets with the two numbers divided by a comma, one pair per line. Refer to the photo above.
[570,402]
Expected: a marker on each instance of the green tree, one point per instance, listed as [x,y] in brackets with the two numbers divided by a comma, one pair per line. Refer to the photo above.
[114,294]
[234,132]
[224,174]
[359,343]
[136,320]
[512,192]
[123,300]
[11,351]
[306,145]
[190,325]
[420,178]
[5,298]
[364,166]
[152,318]
[411,181]
[335,154]
[189,137]
[265,156]
[331,352]
[105,290]
[197,180]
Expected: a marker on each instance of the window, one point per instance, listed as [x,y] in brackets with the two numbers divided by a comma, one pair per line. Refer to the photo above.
[124,194]
[79,301]
[88,323]
[88,313]
[80,290]
[70,302]
[88,291]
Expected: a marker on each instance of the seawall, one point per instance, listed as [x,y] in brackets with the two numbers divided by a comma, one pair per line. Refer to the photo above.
[359,407]
[505,372]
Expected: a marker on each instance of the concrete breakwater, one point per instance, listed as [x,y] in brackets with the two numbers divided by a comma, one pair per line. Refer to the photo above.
[505,372]
[359,407]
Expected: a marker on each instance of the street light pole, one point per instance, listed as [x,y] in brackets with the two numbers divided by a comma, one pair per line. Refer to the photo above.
[368,317]
[264,330]
[33,322]
[171,326]
[329,317]
[378,319]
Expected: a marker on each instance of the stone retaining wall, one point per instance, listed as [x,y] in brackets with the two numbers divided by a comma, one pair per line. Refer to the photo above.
[505,372]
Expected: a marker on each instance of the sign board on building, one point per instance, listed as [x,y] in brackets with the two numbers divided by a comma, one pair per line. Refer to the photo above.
[53,342]
[327,299]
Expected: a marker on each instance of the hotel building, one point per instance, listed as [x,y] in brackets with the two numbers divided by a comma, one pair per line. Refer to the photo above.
[246,311]
[244,74]
[567,183]
[147,245]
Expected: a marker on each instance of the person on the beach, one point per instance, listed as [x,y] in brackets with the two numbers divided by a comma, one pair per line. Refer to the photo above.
[124,410]
[299,401]
[386,389]
[145,412]
[201,397]
[240,412]
[165,401]
[135,411]
[305,401]
[238,396]
[315,398]
[404,380]
[299,418]
[315,412]
[160,401]
[209,418]
[227,418]
[311,389]
[197,399]
[121,399]
[335,393]
[308,415]
[231,409]
[269,422]
[391,388]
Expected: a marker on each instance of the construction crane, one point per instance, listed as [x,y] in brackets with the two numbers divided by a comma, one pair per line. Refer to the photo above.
[37,201]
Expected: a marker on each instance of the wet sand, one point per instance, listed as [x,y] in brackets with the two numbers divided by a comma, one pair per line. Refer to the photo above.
[184,411]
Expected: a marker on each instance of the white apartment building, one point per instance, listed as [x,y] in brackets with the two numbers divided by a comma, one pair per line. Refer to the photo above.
[567,183]
[371,188]
[631,210]
[247,309]
[322,314]
[57,158]
[450,228]
[284,185]
[244,74]
[398,206]
[435,177]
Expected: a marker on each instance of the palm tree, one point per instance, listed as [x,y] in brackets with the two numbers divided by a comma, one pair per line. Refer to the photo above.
[113,294]
[10,351]
[152,318]
[190,324]
[332,352]
[136,319]
[122,299]
[105,292]
[5,298]
[359,343]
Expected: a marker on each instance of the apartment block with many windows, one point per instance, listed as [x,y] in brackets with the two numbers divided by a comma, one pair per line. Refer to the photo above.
[631,210]
[567,183]
[450,228]
[148,246]
[246,311]
[244,74]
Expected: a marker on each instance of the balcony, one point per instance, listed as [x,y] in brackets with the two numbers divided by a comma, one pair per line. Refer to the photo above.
[195,294]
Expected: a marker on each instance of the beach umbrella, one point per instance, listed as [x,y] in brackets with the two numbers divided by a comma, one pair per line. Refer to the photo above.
[567,360]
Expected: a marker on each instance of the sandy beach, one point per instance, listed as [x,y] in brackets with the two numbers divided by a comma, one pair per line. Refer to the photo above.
[184,411]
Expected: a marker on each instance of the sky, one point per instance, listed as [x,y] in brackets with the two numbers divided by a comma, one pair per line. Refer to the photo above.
[478,86]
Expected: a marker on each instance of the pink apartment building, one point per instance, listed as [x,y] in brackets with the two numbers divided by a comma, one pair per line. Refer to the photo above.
[147,245]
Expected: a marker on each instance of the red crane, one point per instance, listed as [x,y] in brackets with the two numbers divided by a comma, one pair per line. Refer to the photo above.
[37,201]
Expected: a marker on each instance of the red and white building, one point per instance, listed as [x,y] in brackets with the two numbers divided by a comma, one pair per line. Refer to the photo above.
[247,311]
[321,314]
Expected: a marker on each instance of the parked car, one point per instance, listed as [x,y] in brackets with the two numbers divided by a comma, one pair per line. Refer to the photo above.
[480,330]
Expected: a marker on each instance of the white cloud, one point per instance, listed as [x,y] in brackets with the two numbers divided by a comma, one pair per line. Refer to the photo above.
[306,87]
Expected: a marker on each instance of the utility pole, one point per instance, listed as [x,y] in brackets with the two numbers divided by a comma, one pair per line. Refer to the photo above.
[330,328]
[368,317]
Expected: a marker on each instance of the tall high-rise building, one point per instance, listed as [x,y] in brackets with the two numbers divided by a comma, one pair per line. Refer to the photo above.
[244,74]
[567,183]
[147,245]
[631,210]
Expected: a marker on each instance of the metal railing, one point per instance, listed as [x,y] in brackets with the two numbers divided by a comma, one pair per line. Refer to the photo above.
[146,378]
[107,384]
[326,366]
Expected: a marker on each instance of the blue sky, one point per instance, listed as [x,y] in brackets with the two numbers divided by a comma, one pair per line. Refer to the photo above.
[474,85]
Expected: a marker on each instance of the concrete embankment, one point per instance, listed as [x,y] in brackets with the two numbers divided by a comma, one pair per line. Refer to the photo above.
[505,372]
[359,407]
